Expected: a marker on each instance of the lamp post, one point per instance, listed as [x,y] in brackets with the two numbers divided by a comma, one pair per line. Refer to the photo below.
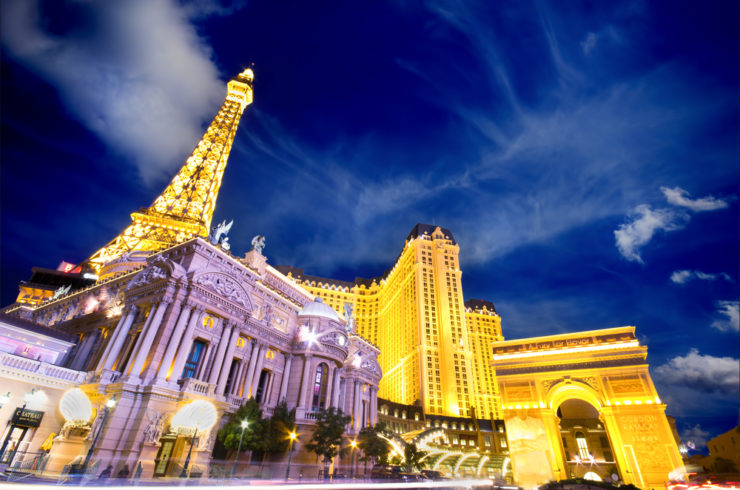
[293,437]
[184,473]
[244,424]
[199,415]
[353,445]
[110,403]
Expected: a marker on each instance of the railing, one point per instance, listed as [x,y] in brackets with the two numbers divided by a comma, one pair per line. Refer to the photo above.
[192,385]
[234,400]
[41,368]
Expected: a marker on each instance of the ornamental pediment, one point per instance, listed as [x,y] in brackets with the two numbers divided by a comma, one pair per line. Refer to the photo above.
[225,287]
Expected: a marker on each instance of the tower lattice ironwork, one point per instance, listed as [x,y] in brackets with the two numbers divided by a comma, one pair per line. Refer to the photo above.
[185,208]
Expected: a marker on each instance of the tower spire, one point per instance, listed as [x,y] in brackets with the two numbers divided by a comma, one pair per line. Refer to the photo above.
[185,208]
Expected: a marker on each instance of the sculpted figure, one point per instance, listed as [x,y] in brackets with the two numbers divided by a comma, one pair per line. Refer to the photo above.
[349,315]
[258,243]
[219,232]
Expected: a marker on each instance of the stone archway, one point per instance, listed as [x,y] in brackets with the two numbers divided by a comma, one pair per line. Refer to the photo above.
[605,369]
[585,442]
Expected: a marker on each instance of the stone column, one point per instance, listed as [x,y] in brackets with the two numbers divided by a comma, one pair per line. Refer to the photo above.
[221,350]
[250,371]
[258,370]
[226,364]
[336,387]
[373,406]
[84,350]
[305,382]
[118,336]
[174,342]
[184,346]
[286,376]
[206,359]
[147,338]
[357,406]
[241,377]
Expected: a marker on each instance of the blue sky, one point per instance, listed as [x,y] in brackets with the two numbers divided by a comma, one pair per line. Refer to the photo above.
[585,155]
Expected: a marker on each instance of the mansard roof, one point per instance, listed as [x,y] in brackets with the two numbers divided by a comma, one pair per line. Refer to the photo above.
[422,229]
[479,304]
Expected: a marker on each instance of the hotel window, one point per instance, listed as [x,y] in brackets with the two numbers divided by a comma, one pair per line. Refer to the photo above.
[319,386]
[193,360]
[582,446]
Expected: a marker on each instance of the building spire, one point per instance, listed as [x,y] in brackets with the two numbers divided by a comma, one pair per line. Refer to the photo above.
[185,208]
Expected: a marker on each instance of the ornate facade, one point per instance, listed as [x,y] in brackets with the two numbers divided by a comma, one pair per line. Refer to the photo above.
[195,323]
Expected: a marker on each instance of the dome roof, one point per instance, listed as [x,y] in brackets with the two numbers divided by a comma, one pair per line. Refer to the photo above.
[318,308]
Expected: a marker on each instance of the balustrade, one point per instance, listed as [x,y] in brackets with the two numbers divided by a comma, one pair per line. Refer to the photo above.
[41,368]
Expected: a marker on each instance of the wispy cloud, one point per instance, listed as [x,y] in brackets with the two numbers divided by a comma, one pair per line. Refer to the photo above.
[589,43]
[137,74]
[680,197]
[704,373]
[641,227]
[729,316]
[684,276]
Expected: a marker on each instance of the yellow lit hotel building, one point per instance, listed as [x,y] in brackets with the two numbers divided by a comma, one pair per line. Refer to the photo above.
[435,349]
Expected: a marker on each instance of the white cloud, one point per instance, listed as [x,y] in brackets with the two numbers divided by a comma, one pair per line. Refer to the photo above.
[684,276]
[589,43]
[138,75]
[730,313]
[704,373]
[645,222]
[680,197]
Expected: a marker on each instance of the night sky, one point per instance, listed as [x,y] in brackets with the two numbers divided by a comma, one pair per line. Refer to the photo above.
[584,155]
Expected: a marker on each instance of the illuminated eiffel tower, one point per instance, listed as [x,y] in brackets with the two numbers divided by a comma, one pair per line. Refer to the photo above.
[185,208]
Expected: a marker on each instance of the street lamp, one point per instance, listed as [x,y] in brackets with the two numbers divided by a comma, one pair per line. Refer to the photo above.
[353,445]
[244,424]
[199,415]
[292,437]
[4,399]
[109,404]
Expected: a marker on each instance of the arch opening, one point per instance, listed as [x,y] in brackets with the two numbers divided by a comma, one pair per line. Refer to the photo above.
[584,440]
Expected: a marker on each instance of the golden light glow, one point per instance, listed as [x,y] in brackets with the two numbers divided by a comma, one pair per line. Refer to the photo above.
[431,347]
[185,208]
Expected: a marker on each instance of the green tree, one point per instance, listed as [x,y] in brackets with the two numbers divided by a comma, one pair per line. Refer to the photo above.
[326,440]
[254,435]
[279,426]
[374,448]
[413,456]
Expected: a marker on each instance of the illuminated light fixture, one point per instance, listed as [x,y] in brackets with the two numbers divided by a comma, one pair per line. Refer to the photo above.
[638,402]
[35,398]
[503,467]
[87,275]
[4,399]
[75,407]
[480,464]
[357,361]
[519,355]
[628,402]
[199,415]
[578,459]
[463,458]
[649,402]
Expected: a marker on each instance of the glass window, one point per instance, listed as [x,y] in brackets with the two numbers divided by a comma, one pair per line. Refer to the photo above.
[582,446]
[193,360]
[319,386]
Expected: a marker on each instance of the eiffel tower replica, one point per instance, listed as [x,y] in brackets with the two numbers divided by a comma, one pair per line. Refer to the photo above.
[182,211]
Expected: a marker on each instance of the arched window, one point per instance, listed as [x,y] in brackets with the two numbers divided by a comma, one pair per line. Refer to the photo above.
[582,446]
[319,386]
